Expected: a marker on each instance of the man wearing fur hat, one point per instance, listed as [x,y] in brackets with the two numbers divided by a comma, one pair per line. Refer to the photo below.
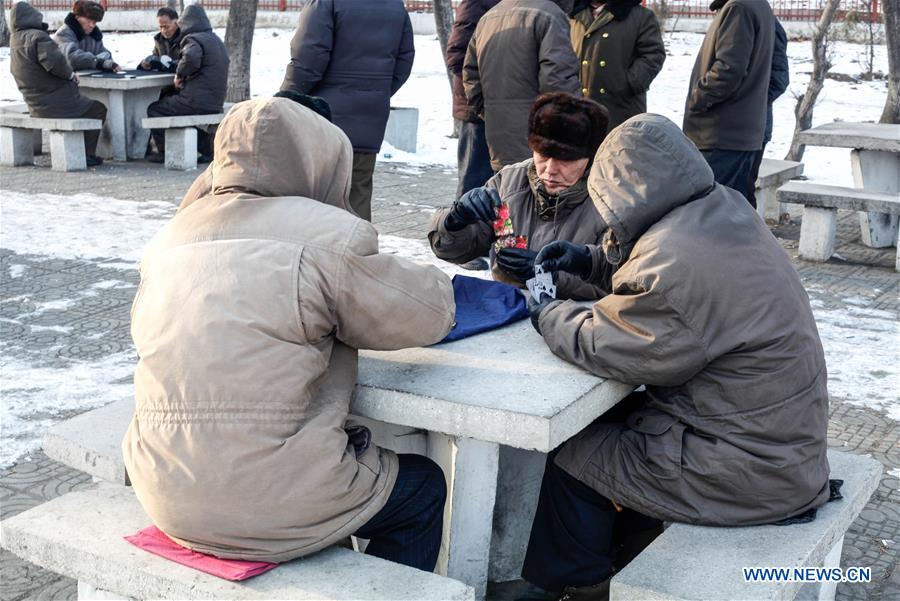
[82,41]
[534,202]
[725,111]
[620,51]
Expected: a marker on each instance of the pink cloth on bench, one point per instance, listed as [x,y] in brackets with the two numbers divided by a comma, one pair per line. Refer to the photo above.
[155,541]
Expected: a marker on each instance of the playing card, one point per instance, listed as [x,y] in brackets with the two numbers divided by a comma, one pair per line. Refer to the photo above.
[541,283]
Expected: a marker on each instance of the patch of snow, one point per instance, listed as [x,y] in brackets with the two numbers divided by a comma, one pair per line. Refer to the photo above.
[16,270]
[60,329]
[107,284]
[895,473]
[418,251]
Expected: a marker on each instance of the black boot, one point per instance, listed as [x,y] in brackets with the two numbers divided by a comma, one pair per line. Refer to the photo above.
[597,592]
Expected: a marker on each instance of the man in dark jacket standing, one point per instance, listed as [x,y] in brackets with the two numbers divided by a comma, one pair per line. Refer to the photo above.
[46,80]
[725,112]
[201,77]
[520,50]
[166,44]
[732,427]
[355,54]
[472,152]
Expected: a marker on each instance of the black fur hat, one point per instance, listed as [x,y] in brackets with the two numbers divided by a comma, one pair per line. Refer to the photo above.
[89,9]
[565,127]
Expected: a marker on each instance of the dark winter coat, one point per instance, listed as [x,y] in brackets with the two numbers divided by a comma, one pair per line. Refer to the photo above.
[171,47]
[735,429]
[780,78]
[520,50]
[203,65]
[468,13]
[575,220]
[83,51]
[355,54]
[620,52]
[726,103]
[42,73]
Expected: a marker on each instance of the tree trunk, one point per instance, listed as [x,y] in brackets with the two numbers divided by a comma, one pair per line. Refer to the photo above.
[177,5]
[891,11]
[239,42]
[821,64]
[443,21]
[4,29]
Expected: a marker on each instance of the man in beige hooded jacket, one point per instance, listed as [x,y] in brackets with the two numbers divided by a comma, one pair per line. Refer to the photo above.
[253,302]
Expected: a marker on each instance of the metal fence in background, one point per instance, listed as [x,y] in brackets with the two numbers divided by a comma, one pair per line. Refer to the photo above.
[786,10]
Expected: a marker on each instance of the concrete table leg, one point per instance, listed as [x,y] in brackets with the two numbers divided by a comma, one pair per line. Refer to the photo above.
[67,151]
[823,591]
[878,171]
[181,148]
[817,233]
[115,126]
[135,105]
[16,146]
[471,470]
[38,142]
[766,204]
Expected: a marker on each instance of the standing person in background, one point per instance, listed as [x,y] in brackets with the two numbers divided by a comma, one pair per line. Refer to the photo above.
[725,112]
[520,50]
[779,80]
[355,54]
[166,44]
[48,84]
[473,156]
[82,41]
[621,51]
[201,77]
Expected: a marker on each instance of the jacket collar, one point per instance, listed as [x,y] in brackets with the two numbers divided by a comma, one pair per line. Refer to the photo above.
[159,37]
[76,27]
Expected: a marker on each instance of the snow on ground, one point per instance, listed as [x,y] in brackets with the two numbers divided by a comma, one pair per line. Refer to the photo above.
[860,343]
[429,90]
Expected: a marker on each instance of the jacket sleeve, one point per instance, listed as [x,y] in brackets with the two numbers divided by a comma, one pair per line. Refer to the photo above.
[650,54]
[633,338]
[79,59]
[733,48]
[404,63]
[52,59]
[311,47]
[569,286]
[557,63]
[780,78]
[191,58]
[464,245]
[386,303]
[472,79]
[467,15]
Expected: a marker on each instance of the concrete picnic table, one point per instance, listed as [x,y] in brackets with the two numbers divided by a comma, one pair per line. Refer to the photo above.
[126,96]
[875,161]
[494,405]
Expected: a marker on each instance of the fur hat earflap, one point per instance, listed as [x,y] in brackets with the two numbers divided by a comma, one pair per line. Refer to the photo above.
[565,127]
[88,9]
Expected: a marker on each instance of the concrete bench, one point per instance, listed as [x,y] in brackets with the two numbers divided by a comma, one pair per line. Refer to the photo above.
[698,563]
[80,535]
[17,140]
[22,109]
[402,128]
[181,137]
[820,206]
[772,174]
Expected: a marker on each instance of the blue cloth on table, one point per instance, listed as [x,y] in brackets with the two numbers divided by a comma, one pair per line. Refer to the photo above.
[483,305]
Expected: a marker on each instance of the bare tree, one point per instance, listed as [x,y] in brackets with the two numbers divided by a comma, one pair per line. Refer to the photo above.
[4,29]
[821,65]
[239,43]
[891,10]
[178,5]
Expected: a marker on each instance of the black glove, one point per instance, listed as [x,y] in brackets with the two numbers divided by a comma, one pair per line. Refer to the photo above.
[476,205]
[565,256]
[107,65]
[536,307]
[517,262]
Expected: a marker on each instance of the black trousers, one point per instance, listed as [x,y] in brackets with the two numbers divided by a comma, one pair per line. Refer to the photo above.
[169,106]
[473,157]
[97,110]
[754,172]
[734,168]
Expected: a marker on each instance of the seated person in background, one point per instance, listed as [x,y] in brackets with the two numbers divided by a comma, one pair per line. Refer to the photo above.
[732,427]
[544,198]
[254,300]
[47,82]
[166,43]
[201,77]
[82,41]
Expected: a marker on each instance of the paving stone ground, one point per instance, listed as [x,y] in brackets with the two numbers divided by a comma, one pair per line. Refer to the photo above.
[404,199]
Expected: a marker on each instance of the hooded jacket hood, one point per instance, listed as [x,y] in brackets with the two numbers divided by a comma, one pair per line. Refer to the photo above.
[275,147]
[193,20]
[644,169]
[24,16]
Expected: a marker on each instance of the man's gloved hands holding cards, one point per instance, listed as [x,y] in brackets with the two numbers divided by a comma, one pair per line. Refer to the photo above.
[555,257]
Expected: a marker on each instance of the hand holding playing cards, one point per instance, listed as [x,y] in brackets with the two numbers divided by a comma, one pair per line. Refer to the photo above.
[568,257]
[536,307]
[475,205]
[517,262]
